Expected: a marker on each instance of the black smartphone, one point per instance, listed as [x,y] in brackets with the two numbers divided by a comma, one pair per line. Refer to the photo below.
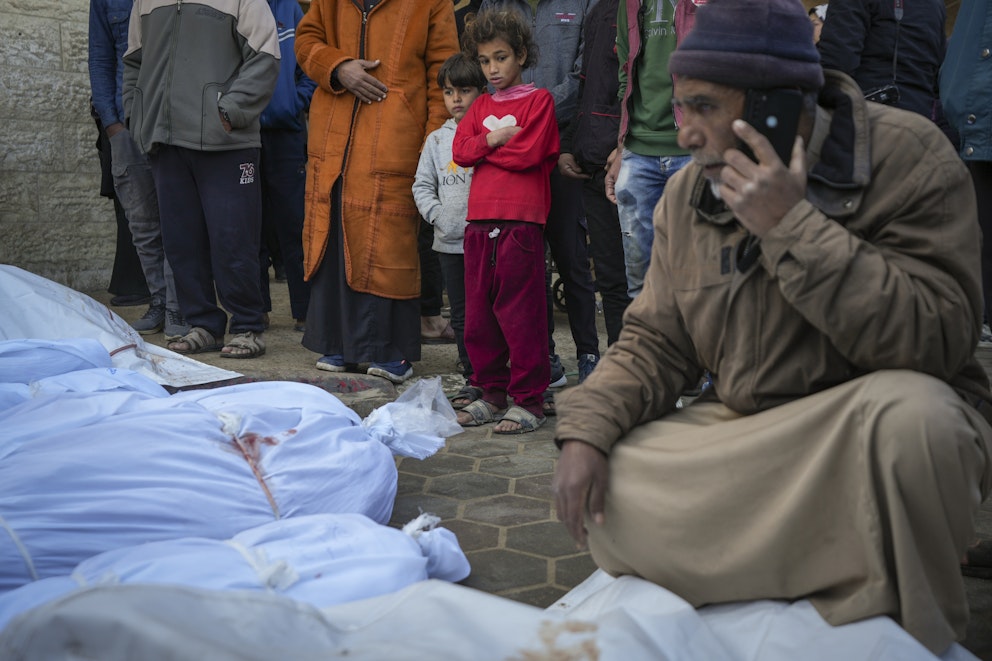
[886,94]
[775,114]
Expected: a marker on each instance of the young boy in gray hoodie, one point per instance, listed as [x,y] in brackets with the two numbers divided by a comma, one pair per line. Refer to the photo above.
[440,189]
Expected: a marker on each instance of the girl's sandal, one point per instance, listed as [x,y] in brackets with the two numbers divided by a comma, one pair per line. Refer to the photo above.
[526,420]
[198,340]
[481,413]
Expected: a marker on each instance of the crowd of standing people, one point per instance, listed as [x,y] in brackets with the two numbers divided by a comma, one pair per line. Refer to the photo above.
[617,134]
[834,295]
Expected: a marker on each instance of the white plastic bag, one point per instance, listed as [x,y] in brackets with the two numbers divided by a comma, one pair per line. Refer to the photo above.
[417,422]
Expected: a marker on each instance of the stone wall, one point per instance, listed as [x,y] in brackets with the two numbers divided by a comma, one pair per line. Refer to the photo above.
[52,220]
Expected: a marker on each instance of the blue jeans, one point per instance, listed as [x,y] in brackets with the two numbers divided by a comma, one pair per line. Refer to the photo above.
[638,188]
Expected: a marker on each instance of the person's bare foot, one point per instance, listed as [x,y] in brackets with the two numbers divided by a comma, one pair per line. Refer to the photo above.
[244,345]
[433,326]
[518,420]
[506,426]
[436,330]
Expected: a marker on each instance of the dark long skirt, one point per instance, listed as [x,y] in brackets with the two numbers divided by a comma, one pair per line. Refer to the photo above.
[361,327]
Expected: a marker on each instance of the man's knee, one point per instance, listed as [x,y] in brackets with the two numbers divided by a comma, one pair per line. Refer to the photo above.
[905,398]
[920,393]
[916,422]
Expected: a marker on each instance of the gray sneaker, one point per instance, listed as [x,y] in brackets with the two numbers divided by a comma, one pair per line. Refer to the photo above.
[175,325]
[558,378]
[587,363]
[152,321]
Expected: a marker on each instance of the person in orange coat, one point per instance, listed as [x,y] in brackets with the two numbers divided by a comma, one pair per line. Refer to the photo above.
[369,116]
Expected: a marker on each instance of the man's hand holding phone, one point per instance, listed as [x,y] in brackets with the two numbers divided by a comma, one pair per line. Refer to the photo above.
[762,189]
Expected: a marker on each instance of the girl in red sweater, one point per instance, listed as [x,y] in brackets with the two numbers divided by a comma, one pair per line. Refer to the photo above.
[510,138]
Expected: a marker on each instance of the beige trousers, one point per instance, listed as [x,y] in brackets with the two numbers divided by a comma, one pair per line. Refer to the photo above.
[859,498]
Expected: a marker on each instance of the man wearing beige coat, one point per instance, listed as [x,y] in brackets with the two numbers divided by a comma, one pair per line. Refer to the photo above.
[845,443]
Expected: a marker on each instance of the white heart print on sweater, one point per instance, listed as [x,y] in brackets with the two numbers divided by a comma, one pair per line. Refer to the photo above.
[492,122]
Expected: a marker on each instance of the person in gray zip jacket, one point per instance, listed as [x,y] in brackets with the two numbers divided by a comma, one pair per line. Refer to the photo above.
[196,79]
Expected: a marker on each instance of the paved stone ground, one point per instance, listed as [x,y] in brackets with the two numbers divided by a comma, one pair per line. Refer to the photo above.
[493,492]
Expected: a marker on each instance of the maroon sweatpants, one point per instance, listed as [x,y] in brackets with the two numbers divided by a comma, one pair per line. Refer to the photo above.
[506,326]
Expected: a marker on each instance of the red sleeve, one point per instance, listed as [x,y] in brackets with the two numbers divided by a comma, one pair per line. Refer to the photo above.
[537,140]
[470,146]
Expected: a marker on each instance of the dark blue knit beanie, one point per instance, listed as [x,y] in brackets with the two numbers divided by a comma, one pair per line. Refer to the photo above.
[750,44]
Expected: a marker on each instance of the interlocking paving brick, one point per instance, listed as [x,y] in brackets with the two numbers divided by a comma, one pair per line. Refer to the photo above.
[409,507]
[469,486]
[507,510]
[540,448]
[498,570]
[476,446]
[536,486]
[408,484]
[569,572]
[547,538]
[440,464]
[516,465]
[473,536]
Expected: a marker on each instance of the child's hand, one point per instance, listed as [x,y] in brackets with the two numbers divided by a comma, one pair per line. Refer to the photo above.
[501,136]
